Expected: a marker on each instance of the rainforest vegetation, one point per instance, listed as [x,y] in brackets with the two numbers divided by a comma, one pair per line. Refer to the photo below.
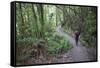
[37,39]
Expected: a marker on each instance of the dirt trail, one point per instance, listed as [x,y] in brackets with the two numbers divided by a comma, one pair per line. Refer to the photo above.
[80,52]
[76,54]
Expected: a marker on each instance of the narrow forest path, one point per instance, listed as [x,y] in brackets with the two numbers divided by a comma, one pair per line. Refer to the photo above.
[77,53]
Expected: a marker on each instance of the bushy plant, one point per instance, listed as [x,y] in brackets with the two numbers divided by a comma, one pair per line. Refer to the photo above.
[58,44]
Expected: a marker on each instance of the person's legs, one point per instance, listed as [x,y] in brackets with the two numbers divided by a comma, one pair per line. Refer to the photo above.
[76,39]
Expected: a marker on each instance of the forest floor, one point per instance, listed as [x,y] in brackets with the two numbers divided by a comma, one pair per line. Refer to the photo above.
[78,53]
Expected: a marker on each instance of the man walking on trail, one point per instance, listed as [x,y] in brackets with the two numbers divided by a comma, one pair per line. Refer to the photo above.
[77,33]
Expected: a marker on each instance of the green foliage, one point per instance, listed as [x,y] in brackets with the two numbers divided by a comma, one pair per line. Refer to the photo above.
[89,34]
[82,19]
[26,42]
[58,44]
[37,21]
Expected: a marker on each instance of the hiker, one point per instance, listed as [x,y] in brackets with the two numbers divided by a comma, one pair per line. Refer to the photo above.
[77,34]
